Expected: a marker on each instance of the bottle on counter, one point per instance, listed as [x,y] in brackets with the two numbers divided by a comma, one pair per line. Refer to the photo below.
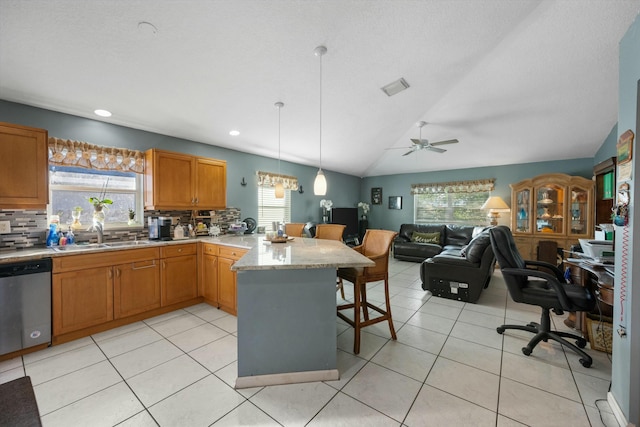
[178,232]
[52,237]
[71,238]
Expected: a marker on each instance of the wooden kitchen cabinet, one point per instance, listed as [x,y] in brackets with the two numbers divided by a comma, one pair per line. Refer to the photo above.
[180,181]
[136,288]
[209,274]
[82,299]
[83,288]
[227,278]
[24,176]
[179,273]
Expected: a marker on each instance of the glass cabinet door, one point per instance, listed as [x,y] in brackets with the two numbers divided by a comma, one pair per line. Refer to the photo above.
[578,211]
[549,209]
[523,211]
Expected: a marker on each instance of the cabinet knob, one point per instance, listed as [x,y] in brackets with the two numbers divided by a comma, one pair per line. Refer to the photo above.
[180,250]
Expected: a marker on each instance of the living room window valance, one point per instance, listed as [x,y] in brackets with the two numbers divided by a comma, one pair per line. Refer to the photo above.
[269,179]
[84,155]
[477,186]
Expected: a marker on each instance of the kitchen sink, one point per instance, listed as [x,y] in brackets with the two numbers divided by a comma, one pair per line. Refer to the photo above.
[80,247]
[128,243]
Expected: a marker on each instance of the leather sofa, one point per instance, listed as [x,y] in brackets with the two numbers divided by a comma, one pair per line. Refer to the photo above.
[460,274]
[435,238]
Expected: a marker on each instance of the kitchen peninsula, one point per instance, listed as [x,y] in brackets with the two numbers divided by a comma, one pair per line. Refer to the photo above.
[287,310]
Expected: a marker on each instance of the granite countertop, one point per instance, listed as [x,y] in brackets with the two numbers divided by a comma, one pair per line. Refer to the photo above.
[300,253]
[263,255]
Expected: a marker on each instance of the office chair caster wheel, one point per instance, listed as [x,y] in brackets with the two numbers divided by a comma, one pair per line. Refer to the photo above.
[500,330]
[526,351]
[585,363]
[581,342]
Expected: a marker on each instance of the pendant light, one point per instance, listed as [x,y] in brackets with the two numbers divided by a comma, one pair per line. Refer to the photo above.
[279,186]
[320,183]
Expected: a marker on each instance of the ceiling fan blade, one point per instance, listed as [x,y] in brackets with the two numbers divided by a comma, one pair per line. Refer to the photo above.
[448,141]
[413,150]
[436,149]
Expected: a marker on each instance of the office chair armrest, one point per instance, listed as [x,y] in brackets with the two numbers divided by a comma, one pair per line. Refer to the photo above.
[554,268]
[550,279]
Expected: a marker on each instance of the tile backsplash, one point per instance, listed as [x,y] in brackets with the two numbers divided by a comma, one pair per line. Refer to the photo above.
[29,227]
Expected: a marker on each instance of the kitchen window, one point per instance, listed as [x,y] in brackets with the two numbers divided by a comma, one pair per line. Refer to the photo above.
[271,209]
[70,187]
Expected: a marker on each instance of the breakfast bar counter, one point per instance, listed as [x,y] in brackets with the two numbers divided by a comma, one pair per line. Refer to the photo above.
[286,294]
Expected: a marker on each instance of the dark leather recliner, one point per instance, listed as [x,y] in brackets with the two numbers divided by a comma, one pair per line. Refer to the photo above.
[536,287]
[460,274]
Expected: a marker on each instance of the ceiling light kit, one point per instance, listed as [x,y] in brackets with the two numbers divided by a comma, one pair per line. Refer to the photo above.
[320,183]
[279,186]
[234,133]
[424,144]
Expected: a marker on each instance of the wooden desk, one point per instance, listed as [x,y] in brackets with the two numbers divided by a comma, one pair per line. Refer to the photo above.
[600,282]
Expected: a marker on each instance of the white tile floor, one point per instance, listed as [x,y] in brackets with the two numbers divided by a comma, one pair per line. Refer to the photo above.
[448,367]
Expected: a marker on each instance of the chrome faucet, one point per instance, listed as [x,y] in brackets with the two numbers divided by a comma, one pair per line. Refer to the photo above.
[97,227]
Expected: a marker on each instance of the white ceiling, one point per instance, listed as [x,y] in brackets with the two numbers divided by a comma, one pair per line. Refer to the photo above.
[515,81]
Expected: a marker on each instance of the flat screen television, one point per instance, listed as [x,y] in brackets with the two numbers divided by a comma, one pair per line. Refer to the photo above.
[348,217]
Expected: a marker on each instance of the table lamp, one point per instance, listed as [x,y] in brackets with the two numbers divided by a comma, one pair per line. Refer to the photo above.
[495,205]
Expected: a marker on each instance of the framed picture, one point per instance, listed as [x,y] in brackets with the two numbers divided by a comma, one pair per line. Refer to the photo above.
[395,202]
[376,196]
[624,147]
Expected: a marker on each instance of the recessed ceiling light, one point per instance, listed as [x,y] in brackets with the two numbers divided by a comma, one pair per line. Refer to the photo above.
[103,113]
[234,133]
[395,87]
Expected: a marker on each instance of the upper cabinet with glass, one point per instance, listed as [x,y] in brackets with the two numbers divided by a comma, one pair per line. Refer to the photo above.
[562,206]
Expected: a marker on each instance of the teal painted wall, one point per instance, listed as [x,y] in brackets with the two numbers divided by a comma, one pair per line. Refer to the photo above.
[625,378]
[608,147]
[343,189]
[400,185]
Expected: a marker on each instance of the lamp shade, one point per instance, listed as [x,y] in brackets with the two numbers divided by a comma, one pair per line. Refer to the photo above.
[279,190]
[320,184]
[496,204]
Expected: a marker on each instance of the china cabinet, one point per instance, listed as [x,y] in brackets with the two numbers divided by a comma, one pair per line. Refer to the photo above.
[554,207]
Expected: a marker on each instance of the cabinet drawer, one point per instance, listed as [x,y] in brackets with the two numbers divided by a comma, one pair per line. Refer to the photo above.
[210,249]
[102,259]
[231,252]
[178,250]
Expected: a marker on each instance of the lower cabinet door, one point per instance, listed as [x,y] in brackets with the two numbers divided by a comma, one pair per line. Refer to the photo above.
[210,279]
[82,299]
[179,279]
[136,288]
[226,285]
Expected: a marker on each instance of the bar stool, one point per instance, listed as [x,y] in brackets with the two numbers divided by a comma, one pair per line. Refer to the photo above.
[294,229]
[332,232]
[375,246]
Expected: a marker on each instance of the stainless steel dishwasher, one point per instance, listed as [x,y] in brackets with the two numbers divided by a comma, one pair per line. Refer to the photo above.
[25,304]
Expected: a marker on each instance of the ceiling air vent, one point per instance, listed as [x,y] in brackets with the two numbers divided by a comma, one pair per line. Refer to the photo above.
[395,87]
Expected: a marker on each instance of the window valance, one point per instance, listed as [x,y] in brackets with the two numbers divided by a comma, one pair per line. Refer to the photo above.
[84,155]
[454,187]
[269,179]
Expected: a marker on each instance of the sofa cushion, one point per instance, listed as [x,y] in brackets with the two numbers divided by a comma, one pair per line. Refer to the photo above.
[458,235]
[406,230]
[476,247]
[426,237]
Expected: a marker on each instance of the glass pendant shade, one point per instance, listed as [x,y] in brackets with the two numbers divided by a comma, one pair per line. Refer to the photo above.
[320,184]
[279,191]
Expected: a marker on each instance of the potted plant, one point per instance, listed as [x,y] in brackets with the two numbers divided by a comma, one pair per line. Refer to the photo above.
[365,209]
[132,217]
[99,203]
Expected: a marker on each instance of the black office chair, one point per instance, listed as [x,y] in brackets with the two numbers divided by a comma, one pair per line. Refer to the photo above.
[549,291]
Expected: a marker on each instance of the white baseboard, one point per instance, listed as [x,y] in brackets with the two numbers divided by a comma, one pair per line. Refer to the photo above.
[617,412]
[287,378]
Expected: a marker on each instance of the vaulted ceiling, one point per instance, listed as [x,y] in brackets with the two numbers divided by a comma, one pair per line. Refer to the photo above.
[514,81]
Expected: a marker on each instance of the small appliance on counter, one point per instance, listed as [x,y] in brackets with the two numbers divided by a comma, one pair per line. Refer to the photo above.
[159,228]
[238,228]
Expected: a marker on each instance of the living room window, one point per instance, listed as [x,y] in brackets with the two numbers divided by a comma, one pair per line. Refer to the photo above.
[271,209]
[451,202]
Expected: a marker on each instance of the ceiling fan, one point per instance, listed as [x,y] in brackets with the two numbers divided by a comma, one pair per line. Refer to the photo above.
[424,144]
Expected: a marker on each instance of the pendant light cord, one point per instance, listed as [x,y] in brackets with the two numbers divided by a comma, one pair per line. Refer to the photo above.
[320,112]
